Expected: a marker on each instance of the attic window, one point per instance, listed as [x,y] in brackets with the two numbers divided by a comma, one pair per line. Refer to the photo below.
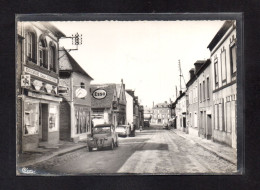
[82,85]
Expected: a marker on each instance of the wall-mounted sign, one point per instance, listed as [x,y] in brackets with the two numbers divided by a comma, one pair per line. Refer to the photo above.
[99,94]
[39,74]
[25,80]
[81,93]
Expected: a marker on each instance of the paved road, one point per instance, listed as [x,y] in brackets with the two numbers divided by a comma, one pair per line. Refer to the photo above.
[152,151]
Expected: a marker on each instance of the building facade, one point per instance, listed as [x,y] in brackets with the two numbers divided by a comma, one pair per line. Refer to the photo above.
[181,110]
[104,104]
[121,108]
[205,100]
[148,113]
[129,108]
[37,84]
[161,113]
[223,49]
[75,109]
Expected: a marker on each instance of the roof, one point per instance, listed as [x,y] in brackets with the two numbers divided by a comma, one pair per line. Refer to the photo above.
[68,63]
[160,105]
[105,102]
[227,24]
[53,29]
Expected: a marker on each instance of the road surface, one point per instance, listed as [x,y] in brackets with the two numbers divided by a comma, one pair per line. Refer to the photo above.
[151,151]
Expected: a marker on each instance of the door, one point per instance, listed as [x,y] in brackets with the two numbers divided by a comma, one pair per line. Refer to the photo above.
[209,127]
[44,121]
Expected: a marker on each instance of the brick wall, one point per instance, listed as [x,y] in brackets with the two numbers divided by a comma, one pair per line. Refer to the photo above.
[65,129]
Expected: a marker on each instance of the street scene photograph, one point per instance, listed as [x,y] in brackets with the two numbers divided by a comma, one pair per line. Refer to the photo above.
[149,97]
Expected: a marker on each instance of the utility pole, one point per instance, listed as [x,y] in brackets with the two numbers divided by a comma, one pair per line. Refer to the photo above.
[181,75]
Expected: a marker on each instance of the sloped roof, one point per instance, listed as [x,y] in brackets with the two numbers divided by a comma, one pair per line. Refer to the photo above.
[105,102]
[160,105]
[227,24]
[68,63]
[53,29]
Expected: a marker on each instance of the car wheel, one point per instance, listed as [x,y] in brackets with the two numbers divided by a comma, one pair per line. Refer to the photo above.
[90,149]
[112,145]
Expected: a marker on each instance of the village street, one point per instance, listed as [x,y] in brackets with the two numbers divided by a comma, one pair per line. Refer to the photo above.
[153,150]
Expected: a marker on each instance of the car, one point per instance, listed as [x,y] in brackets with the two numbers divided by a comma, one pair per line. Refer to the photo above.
[123,130]
[103,136]
[146,124]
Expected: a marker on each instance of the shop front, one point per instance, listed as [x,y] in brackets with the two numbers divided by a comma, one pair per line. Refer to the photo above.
[41,120]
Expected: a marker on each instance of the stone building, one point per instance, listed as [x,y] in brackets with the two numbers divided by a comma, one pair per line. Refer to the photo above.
[37,77]
[223,49]
[199,105]
[136,115]
[75,109]
[180,111]
[129,108]
[161,113]
[121,109]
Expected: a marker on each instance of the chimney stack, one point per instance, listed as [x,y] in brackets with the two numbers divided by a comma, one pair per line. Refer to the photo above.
[198,65]
[192,73]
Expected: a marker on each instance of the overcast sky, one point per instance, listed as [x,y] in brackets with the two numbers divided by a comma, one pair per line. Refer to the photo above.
[144,54]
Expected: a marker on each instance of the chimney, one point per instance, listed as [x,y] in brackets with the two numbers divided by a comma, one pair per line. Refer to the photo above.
[192,73]
[198,65]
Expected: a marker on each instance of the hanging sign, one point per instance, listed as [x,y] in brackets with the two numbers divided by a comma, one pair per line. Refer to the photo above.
[99,94]
[25,80]
[81,93]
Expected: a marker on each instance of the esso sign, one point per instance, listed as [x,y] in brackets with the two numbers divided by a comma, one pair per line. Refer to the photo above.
[99,94]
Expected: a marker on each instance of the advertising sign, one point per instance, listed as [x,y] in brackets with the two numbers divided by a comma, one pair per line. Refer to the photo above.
[25,80]
[81,93]
[99,94]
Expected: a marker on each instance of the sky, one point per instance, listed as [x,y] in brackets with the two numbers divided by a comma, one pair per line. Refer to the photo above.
[144,54]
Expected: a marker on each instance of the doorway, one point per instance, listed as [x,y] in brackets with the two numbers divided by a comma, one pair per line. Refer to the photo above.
[209,126]
[43,121]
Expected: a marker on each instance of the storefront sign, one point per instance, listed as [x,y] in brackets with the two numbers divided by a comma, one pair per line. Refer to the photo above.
[39,74]
[25,80]
[99,94]
[81,93]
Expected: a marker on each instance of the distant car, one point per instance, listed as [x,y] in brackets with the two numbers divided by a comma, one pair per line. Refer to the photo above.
[123,130]
[146,124]
[103,135]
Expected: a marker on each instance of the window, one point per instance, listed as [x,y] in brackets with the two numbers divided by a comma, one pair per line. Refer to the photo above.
[200,93]
[31,48]
[82,85]
[204,96]
[233,57]
[220,114]
[43,53]
[216,71]
[207,87]
[52,59]
[228,116]
[223,65]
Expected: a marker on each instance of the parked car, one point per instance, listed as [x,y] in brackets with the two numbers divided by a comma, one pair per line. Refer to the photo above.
[166,126]
[103,135]
[123,130]
[146,124]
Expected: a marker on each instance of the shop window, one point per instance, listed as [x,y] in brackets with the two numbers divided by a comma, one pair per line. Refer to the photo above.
[233,59]
[53,118]
[31,47]
[53,58]
[43,52]
[31,118]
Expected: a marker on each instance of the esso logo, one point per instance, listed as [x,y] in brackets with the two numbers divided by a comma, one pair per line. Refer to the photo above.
[99,94]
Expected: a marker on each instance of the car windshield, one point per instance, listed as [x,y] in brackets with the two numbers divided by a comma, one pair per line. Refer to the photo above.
[99,130]
[123,127]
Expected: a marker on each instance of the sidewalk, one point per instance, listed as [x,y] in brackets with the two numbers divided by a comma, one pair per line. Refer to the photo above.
[42,154]
[225,152]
